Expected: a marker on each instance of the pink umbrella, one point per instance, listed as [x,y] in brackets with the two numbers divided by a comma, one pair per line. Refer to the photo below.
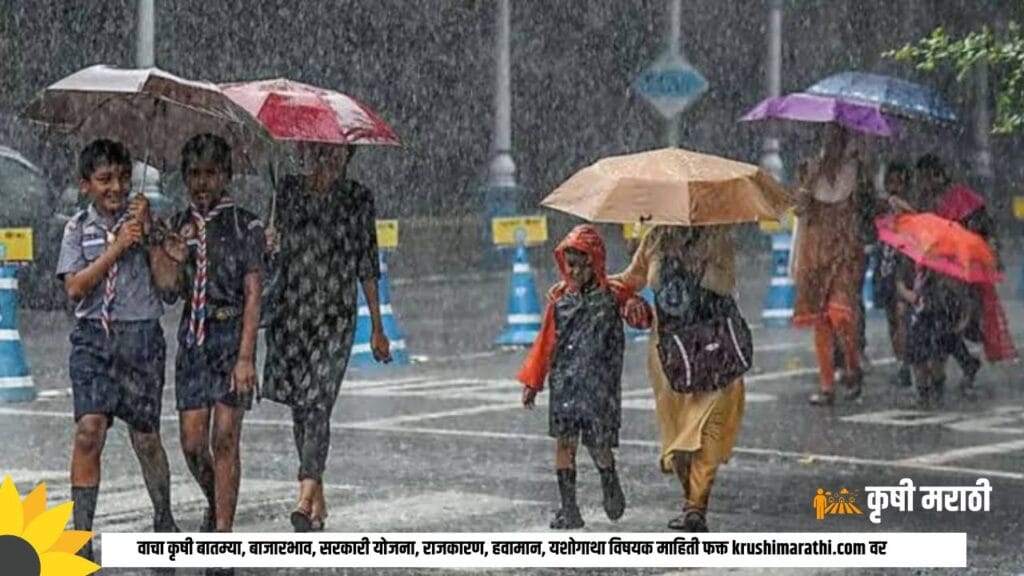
[300,112]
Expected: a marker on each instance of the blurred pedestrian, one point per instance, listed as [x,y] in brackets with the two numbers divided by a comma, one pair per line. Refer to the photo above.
[829,263]
[936,192]
[579,349]
[327,242]
[117,345]
[892,269]
[221,248]
[937,317]
[698,429]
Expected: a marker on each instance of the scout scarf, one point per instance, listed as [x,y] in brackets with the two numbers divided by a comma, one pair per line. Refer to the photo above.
[110,285]
[197,319]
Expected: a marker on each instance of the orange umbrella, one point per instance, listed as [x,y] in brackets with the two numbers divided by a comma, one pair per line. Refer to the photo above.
[941,245]
[671,186]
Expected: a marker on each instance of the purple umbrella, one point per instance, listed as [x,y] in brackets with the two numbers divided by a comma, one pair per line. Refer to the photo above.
[866,118]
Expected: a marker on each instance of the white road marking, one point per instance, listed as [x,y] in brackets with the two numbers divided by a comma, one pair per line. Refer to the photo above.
[836,459]
[390,425]
[967,452]
[903,418]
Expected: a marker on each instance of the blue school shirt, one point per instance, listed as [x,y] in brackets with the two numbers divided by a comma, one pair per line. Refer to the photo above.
[85,238]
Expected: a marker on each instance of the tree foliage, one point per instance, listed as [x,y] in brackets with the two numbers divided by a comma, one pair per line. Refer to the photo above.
[1004,53]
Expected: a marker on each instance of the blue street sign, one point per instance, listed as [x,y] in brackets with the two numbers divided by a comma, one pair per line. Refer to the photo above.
[671,84]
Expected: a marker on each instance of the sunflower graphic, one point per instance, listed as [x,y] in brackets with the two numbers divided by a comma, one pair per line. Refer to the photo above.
[33,541]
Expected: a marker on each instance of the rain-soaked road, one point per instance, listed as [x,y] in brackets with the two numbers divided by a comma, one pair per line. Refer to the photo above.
[445,446]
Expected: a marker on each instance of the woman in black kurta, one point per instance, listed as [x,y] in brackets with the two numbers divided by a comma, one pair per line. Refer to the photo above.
[328,241]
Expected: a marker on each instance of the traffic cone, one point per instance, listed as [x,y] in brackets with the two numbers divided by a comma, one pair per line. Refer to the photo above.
[636,333]
[15,381]
[362,354]
[524,313]
[778,304]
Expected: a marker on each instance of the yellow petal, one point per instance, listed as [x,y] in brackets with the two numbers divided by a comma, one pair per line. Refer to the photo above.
[71,541]
[11,515]
[34,503]
[44,531]
[64,564]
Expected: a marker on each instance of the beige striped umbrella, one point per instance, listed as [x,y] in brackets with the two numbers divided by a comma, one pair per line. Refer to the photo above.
[671,186]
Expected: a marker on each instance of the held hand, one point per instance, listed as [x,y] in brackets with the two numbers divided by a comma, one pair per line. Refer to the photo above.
[243,377]
[555,289]
[899,205]
[139,209]
[129,235]
[529,398]
[273,239]
[380,346]
[636,312]
[175,246]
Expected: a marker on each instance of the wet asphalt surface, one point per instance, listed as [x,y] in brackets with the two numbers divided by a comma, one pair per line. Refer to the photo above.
[442,445]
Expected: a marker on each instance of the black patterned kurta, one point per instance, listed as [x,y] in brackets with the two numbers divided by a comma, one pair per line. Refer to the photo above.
[328,243]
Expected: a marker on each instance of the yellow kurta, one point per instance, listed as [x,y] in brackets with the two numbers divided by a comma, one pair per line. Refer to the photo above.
[708,421]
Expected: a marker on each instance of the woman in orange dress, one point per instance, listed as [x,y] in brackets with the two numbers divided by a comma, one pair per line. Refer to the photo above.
[829,260]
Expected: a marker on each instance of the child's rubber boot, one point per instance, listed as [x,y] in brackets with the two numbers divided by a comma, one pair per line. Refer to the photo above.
[614,499]
[568,517]
[967,389]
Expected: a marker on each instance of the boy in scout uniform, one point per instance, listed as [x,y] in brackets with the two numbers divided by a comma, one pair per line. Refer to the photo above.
[220,248]
[117,344]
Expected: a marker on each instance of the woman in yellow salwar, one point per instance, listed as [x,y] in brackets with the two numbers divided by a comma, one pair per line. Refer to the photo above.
[697,429]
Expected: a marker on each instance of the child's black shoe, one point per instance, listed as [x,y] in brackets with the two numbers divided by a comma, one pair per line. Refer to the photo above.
[567,519]
[614,499]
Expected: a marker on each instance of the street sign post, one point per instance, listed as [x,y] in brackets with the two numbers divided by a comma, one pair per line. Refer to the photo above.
[671,84]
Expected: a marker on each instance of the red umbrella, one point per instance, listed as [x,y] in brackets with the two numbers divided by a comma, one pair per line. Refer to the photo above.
[941,245]
[300,112]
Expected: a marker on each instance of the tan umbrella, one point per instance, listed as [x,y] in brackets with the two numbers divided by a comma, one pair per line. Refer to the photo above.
[671,186]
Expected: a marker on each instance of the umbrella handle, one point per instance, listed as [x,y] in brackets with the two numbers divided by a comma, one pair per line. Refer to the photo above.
[273,195]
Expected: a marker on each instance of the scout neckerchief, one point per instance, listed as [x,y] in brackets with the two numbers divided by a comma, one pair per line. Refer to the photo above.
[197,320]
[110,286]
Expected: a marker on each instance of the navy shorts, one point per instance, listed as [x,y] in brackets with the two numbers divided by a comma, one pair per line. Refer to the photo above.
[202,375]
[592,432]
[120,375]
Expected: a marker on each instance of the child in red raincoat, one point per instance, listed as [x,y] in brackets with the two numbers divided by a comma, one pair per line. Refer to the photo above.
[579,350]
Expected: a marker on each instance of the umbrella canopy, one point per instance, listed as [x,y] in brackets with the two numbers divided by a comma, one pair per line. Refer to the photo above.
[860,117]
[671,186]
[941,245]
[895,96]
[300,112]
[151,111]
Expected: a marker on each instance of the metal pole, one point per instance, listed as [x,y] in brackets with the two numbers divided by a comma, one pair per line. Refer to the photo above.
[503,169]
[674,25]
[771,160]
[144,35]
[982,131]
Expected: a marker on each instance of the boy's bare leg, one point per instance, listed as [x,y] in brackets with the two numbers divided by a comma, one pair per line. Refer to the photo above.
[156,474]
[195,444]
[227,430]
[565,453]
[568,516]
[90,436]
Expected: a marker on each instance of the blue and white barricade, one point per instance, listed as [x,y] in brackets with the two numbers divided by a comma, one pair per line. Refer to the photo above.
[778,304]
[362,354]
[15,379]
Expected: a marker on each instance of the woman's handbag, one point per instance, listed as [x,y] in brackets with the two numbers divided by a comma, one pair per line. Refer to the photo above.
[704,343]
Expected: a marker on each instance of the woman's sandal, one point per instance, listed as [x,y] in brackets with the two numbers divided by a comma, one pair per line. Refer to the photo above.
[301,520]
[316,523]
[853,382]
[823,398]
[692,521]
